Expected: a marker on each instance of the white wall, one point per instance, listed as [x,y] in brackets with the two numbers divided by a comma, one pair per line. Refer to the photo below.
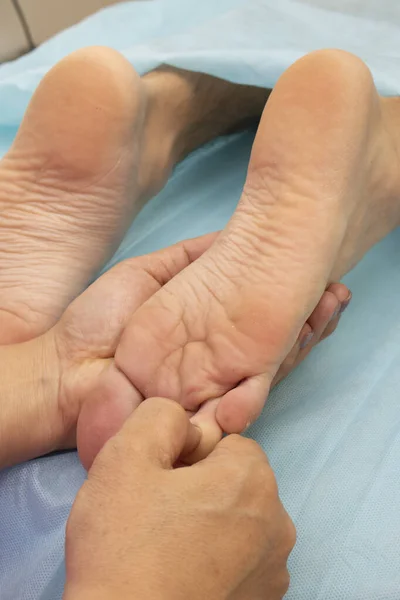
[43,19]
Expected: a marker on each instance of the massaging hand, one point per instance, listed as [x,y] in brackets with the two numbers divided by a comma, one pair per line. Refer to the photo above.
[141,529]
[63,387]
[45,382]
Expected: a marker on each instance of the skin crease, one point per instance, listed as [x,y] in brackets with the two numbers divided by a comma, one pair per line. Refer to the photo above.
[55,174]
[80,365]
[96,142]
[311,207]
[45,381]
[54,383]
[89,328]
[112,397]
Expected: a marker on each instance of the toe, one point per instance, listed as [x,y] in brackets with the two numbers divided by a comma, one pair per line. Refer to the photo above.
[240,407]
[322,323]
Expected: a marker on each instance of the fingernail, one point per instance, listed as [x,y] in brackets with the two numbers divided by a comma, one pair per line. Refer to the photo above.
[306,340]
[345,304]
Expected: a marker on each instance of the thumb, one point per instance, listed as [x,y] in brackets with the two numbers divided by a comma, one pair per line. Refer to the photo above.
[157,432]
[164,264]
[211,432]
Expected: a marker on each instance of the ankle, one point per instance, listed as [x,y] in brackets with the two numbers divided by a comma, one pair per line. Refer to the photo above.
[194,108]
[158,143]
[185,110]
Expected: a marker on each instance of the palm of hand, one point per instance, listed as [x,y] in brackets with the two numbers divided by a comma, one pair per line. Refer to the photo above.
[87,337]
[91,327]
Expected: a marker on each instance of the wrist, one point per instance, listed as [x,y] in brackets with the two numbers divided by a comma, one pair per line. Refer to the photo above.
[29,383]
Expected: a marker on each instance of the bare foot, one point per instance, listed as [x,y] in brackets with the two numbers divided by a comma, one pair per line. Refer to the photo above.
[62,366]
[321,190]
[322,322]
[109,398]
[74,364]
[67,187]
[96,142]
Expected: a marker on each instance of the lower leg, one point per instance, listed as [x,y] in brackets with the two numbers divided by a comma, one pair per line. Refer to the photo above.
[202,107]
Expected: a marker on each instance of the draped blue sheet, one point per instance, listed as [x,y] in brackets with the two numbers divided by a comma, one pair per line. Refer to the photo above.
[332,429]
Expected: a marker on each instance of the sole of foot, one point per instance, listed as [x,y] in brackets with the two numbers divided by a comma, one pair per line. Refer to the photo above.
[320,191]
[79,170]
[112,399]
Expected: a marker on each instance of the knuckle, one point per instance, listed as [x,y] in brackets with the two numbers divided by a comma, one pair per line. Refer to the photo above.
[254,449]
[266,482]
[285,536]
[246,454]
[164,408]
[291,534]
[250,459]
[167,266]
[246,448]
[231,443]
[106,458]
[81,513]
[285,584]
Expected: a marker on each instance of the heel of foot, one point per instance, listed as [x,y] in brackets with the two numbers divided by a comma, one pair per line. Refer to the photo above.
[83,111]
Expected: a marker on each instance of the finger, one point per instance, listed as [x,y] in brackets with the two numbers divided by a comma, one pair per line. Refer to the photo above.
[125,287]
[327,309]
[340,290]
[157,432]
[240,459]
[211,433]
[165,264]
[303,342]
[234,448]
[321,323]
[344,296]
[330,328]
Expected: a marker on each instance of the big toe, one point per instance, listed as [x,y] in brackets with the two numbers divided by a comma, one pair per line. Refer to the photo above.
[236,410]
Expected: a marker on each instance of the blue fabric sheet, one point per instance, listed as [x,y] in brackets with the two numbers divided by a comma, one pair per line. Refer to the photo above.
[332,429]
